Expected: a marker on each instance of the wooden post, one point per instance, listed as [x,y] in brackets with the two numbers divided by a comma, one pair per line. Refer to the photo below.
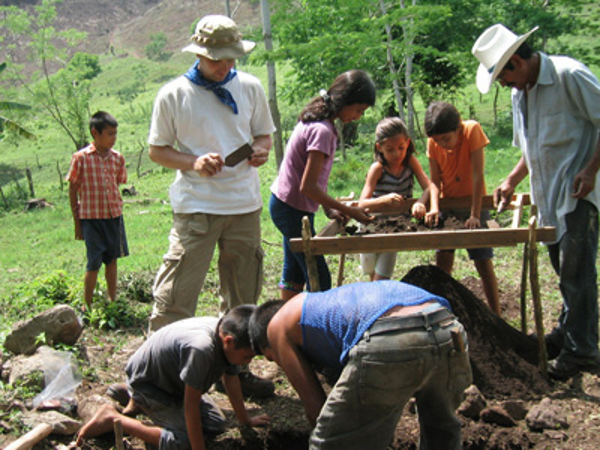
[28,440]
[340,278]
[138,169]
[524,287]
[30,181]
[118,434]
[60,177]
[535,294]
[4,198]
[517,211]
[311,263]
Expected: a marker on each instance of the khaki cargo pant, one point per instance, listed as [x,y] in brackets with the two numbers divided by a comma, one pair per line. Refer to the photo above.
[193,240]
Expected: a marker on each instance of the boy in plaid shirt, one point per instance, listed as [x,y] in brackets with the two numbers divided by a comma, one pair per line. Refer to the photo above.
[94,177]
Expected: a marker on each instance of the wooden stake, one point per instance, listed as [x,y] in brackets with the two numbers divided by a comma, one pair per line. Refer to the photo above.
[118,434]
[30,181]
[60,176]
[311,263]
[28,440]
[535,294]
[340,278]
[524,272]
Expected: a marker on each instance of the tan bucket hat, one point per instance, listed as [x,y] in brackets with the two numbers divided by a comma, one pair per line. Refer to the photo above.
[217,37]
[493,49]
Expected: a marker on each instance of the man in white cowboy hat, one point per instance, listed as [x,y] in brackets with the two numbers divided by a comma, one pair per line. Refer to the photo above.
[199,119]
[556,118]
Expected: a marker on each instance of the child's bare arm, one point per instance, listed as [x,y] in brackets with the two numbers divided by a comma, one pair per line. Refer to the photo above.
[310,188]
[74,202]
[193,419]
[385,202]
[234,392]
[432,217]
[477,164]
[419,209]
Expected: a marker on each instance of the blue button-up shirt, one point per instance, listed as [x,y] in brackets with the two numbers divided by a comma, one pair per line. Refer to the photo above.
[557,127]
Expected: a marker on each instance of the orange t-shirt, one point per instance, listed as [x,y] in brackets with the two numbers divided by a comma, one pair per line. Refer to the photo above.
[455,164]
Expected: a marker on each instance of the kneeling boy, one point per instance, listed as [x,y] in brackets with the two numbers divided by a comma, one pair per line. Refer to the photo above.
[385,342]
[169,376]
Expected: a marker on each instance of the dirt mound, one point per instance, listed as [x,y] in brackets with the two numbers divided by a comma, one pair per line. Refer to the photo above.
[503,359]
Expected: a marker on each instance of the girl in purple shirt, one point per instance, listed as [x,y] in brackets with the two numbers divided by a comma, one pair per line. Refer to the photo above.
[301,185]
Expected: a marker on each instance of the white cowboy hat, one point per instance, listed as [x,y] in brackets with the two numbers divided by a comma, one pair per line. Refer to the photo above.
[493,49]
[217,37]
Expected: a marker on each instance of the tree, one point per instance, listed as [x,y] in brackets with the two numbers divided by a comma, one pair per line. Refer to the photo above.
[61,89]
[155,50]
[268,38]
[423,46]
[9,124]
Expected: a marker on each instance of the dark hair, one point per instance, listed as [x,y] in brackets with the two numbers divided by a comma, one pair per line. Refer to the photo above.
[100,120]
[349,88]
[235,324]
[387,128]
[524,51]
[440,118]
[259,323]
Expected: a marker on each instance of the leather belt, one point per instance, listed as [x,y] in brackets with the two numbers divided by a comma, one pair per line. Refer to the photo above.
[424,321]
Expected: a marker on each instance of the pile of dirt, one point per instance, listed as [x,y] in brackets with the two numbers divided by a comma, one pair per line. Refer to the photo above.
[504,360]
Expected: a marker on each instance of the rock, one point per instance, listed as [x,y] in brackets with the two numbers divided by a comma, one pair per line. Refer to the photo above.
[88,406]
[496,415]
[515,408]
[28,369]
[546,416]
[60,423]
[473,403]
[556,435]
[60,324]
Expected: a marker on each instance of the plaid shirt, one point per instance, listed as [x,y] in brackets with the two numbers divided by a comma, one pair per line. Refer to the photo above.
[97,179]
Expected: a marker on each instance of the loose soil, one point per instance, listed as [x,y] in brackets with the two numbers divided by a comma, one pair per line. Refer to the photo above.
[403,223]
[504,363]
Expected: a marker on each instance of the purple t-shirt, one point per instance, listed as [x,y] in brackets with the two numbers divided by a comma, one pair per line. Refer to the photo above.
[306,137]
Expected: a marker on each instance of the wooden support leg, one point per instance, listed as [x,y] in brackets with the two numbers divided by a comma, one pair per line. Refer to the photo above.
[118,434]
[524,288]
[340,278]
[311,263]
[537,302]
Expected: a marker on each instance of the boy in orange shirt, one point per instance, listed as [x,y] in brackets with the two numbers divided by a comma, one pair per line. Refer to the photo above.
[456,162]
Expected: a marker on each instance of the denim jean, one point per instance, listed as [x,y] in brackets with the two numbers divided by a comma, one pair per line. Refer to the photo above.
[171,419]
[574,260]
[383,372]
[288,221]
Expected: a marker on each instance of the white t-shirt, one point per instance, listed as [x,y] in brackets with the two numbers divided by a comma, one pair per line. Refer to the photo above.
[193,120]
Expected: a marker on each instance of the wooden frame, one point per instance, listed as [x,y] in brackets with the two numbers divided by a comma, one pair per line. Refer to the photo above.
[327,241]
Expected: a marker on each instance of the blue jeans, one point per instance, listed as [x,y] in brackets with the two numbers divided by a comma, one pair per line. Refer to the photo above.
[574,260]
[288,221]
[171,419]
[382,373]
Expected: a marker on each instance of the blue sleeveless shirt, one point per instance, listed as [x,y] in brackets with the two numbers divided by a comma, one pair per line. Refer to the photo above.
[334,321]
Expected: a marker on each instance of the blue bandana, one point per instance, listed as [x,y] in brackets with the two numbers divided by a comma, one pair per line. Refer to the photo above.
[196,77]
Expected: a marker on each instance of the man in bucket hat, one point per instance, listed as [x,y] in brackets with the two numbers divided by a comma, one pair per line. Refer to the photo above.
[199,119]
[556,118]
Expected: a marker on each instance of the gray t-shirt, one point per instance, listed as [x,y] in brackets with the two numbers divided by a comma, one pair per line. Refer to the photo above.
[185,352]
